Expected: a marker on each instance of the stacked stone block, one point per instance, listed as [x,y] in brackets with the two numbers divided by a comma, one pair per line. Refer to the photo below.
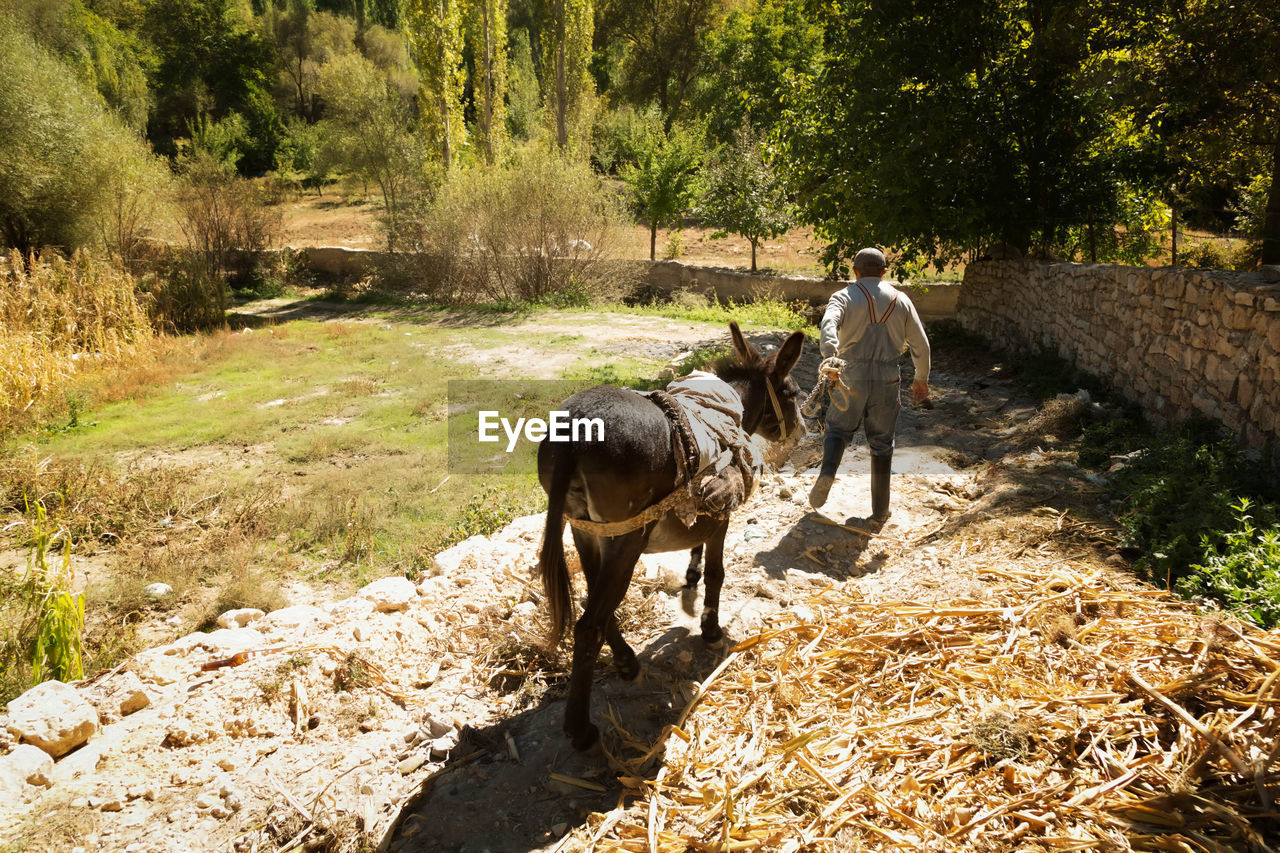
[1177,342]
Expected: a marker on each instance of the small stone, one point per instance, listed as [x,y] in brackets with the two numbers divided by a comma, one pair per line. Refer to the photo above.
[53,716]
[436,726]
[411,764]
[367,789]
[524,610]
[119,697]
[226,764]
[157,591]
[107,803]
[207,800]
[360,633]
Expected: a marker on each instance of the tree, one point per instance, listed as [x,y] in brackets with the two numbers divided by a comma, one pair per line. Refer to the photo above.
[68,166]
[664,48]
[747,62]
[487,31]
[306,40]
[1216,102]
[370,133]
[209,59]
[566,39]
[436,38]
[943,128]
[744,194]
[665,182]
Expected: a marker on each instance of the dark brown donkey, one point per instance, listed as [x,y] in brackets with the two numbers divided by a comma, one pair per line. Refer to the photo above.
[631,469]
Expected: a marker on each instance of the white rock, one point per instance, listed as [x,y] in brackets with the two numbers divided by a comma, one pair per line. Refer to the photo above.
[508,556]
[527,528]
[524,610]
[437,726]
[240,618]
[390,594]
[157,590]
[297,616]
[54,717]
[460,557]
[27,765]
[118,697]
[155,667]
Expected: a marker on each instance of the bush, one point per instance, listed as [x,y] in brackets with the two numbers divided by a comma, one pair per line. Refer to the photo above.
[222,216]
[71,173]
[1243,571]
[520,231]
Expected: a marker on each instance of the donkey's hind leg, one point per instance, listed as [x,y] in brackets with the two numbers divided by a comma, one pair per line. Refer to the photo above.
[689,592]
[607,584]
[624,657]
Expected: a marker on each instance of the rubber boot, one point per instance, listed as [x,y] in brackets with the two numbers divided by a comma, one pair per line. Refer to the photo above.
[881,469]
[832,451]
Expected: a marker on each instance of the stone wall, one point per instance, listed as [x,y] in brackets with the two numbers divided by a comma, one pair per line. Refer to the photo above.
[1177,342]
[934,302]
[937,301]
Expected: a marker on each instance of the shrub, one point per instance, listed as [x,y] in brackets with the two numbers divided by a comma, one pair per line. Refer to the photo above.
[1243,571]
[222,216]
[68,166]
[519,231]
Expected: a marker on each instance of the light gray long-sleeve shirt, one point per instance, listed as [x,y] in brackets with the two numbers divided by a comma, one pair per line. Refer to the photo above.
[847,318]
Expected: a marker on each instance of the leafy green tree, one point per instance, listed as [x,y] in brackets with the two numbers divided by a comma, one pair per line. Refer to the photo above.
[524,96]
[747,62]
[943,128]
[210,58]
[369,133]
[305,40]
[487,32]
[566,76]
[1216,104]
[664,48]
[436,36]
[744,194]
[68,166]
[664,181]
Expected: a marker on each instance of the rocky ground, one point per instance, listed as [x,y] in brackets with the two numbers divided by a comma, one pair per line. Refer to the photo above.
[425,716]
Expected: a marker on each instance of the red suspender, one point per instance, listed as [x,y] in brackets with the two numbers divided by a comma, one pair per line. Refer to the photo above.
[871,305]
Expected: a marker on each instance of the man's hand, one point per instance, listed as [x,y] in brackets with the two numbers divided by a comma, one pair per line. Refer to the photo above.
[920,391]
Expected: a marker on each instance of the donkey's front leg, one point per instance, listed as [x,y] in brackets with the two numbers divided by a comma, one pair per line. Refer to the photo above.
[711,632]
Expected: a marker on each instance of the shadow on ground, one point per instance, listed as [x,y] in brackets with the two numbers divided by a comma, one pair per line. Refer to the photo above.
[503,789]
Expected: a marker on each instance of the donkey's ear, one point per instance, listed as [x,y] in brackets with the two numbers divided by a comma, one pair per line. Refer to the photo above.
[788,354]
[747,353]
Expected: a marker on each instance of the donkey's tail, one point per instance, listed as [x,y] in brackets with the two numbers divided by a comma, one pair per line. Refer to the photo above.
[551,564]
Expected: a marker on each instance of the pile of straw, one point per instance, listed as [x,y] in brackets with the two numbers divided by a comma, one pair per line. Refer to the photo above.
[1068,708]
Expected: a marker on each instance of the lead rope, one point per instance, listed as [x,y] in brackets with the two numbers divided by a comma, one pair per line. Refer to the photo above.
[777,408]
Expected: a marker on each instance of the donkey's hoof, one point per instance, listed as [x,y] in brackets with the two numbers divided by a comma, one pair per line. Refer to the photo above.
[712,635]
[628,668]
[586,738]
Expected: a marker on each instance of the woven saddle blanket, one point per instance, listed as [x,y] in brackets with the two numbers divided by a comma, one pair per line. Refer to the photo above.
[712,410]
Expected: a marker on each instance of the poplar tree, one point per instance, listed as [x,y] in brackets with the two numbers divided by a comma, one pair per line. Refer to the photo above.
[566,54]
[487,32]
[436,37]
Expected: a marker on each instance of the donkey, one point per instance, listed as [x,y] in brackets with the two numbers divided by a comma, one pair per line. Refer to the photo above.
[616,479]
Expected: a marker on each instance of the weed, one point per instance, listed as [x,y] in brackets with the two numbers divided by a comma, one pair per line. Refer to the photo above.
[352,674]
[674,247]
[1244,570]
[488,512]
[1001,735]
[41,619]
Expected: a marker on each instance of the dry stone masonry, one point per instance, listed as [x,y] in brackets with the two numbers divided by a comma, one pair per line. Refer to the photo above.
[1177,342]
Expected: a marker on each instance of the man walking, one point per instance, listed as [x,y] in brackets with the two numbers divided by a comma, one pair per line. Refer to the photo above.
[869,325]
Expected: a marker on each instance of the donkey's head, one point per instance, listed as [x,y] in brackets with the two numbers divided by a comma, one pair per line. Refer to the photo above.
[769,394]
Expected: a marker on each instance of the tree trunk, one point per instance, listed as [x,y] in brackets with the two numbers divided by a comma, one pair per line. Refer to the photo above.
[753,255]
[1173,259]
[653,241]
[1271,218]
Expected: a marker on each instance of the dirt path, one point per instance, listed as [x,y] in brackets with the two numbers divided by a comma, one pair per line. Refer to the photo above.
[425,717]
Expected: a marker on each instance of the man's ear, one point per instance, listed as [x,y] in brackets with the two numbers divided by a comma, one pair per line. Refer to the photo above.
[747,353]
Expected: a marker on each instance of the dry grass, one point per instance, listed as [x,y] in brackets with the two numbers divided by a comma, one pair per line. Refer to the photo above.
[1066,708]
[60,318]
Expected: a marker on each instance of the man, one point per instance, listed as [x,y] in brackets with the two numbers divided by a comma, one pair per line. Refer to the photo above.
[869,325]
